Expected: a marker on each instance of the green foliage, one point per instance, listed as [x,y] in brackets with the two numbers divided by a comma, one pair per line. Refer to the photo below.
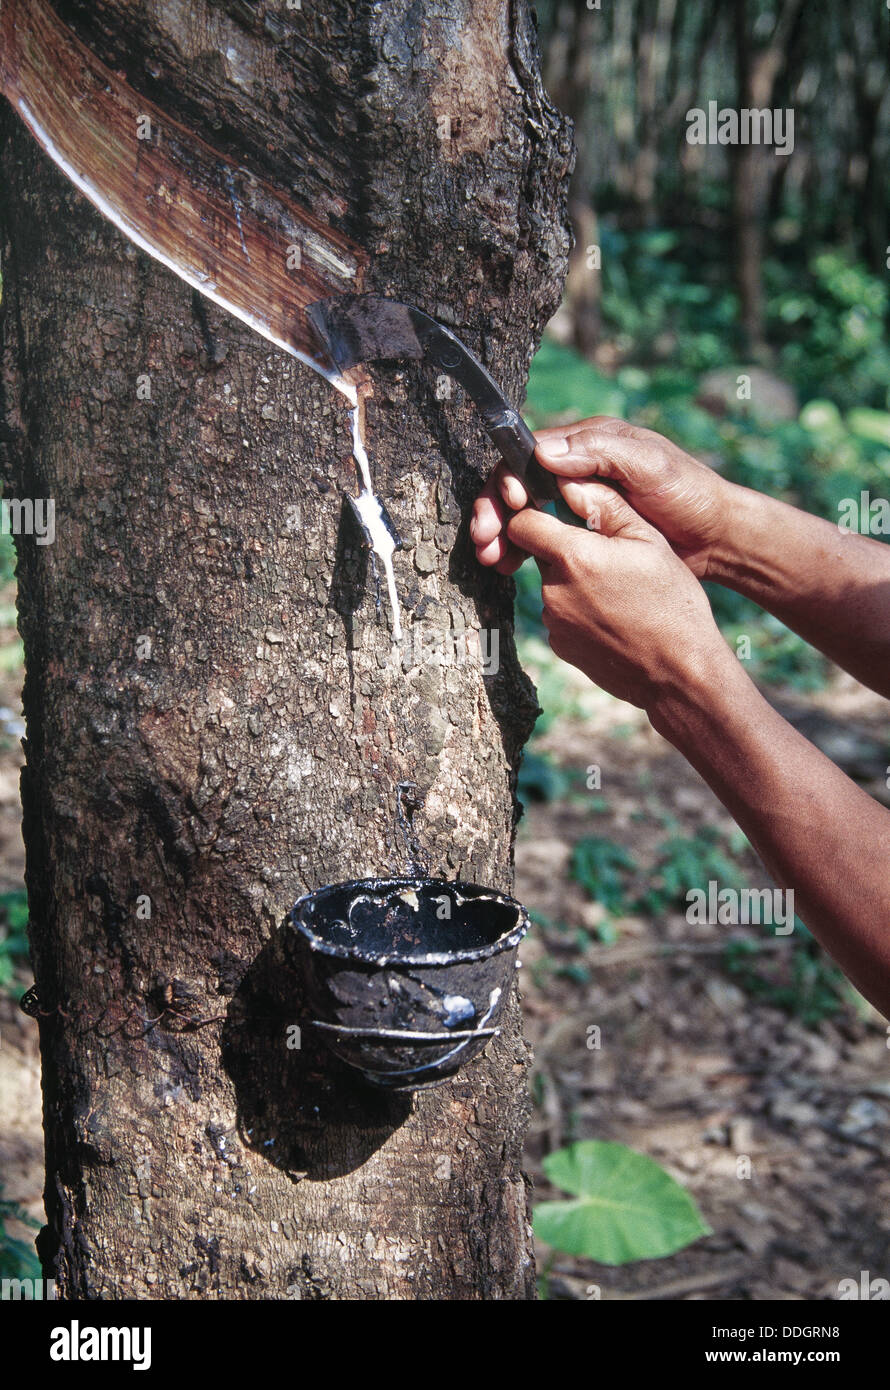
[689,861]
[527,606]
[829,320]
[541,779]
[528,601]
[778,655]
[18,1260]
[13,938]
[870,424]
[803,981]
[625,1206]
[605,870]
[14,907]
[660,299]
[560,384]
[7,558]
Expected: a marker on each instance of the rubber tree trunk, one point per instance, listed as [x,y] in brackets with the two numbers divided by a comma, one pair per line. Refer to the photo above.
[215,723]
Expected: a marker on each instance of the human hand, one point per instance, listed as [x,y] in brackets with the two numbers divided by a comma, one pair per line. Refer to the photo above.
[618,602]
[688,502]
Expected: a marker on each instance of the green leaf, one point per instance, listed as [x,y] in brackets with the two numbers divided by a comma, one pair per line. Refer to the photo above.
[821,417]
[626,1207]
[562,383]
[541,779]
[18,1260]
[14,906]
[870,424]
[604,869]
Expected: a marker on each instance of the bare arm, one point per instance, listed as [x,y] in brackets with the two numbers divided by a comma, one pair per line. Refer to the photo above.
[815,830]
[622,606]
[830,586]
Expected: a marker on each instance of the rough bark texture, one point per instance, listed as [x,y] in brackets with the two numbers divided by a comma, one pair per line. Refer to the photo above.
[255,752]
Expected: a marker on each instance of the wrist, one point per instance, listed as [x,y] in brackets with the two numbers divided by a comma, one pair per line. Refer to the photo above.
[742,510]
[712,686]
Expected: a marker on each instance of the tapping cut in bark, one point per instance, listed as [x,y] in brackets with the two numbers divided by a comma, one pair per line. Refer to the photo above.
[227,233]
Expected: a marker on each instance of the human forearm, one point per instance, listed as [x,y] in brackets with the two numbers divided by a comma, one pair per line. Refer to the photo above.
[621,605]
[832,587]
[815,830]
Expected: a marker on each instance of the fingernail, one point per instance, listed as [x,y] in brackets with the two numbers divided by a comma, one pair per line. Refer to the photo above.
[554,447]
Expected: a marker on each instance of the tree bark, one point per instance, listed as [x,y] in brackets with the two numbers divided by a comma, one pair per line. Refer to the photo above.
[215,724]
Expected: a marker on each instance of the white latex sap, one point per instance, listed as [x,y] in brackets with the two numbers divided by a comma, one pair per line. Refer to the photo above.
[368,506]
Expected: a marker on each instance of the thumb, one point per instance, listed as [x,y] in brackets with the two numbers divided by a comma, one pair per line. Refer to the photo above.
[632,456]
[605,510]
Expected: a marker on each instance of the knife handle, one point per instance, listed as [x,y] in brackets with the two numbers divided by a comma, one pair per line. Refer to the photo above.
[504,425]
[516,445]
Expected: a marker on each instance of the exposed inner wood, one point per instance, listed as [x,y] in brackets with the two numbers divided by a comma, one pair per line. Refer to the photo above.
[229,234]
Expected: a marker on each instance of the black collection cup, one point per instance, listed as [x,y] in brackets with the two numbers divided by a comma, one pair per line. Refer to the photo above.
[406,978]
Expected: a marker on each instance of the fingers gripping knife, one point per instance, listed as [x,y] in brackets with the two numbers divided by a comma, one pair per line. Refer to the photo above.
[368,327]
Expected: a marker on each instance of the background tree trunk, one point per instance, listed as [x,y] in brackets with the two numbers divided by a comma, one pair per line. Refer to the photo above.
[256,752]
[759,71]
[570,74]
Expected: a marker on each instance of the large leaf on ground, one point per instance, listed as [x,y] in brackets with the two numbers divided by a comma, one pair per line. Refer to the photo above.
[625,1206]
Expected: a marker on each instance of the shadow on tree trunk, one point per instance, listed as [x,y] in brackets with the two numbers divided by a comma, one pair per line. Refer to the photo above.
[299,1108]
